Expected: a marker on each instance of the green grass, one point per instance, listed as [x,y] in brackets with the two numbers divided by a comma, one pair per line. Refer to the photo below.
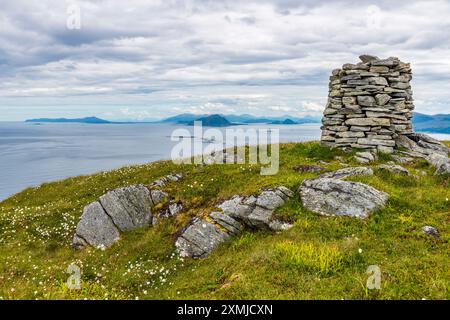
[319,258]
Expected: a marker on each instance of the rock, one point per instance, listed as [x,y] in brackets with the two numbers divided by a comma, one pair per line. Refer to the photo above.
[284,192]
[347,172]
[259,218]
[379,81]
[382,99]
[279,226]
[129,207]
[423,146]
[175,177]
[440,162]
[372,141]
[308,168]
[385,149]
[364,157]
[158,196]
[163,181]
[379,69]
[171,209]
[349,101]
[367,101]
[365,58]
[431,231]
[270,199]
[401,85]
[333,197]
[256,212]
[238,207]
[368,122]
[225,221]
[174,209]
[202,236]
[357,82]
[350,134]
[393,169]
[122,209]
[359,128]
[390,62]
[199,239]
[95,228]
[402,160]
[429,143]
[362,160]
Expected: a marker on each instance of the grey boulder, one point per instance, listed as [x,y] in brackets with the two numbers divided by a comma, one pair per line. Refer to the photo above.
[95,228]
[122,209]
[422,146]
[440,162]
[333,197]
[199,239]
[129,207]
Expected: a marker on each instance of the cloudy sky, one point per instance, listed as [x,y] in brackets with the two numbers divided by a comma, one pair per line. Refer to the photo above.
[150,59]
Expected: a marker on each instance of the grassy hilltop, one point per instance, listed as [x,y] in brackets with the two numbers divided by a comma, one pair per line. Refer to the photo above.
[319,258]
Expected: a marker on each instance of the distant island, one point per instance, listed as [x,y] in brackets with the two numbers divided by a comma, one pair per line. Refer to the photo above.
[439,123]
[187,118]
[287,121]
[213,120]
[90,120]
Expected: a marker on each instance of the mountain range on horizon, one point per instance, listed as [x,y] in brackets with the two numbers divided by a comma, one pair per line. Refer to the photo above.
[439,123]
[244,118]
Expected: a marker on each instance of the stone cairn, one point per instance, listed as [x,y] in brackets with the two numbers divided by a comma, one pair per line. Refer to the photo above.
[370,104]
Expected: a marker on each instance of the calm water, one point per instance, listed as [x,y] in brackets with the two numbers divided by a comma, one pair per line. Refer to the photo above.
[32,154]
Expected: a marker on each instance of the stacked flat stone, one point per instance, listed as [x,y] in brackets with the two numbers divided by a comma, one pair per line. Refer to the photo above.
[370,103]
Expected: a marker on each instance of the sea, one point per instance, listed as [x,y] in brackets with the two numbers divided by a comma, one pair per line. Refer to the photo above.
[34,153]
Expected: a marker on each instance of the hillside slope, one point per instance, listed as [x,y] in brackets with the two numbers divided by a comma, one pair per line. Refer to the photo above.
[319,258]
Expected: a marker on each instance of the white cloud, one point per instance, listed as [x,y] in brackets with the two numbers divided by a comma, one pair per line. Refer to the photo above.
[133,114]
[205,56]
[312,106]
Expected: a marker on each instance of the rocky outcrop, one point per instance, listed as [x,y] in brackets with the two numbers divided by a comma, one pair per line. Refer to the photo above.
[200,238]
[369,104]
[129,207]
[334,197]
[203,235]
[422,146]
[440,162]
[164,180]
[121,210]
[302,168]
[347,172]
